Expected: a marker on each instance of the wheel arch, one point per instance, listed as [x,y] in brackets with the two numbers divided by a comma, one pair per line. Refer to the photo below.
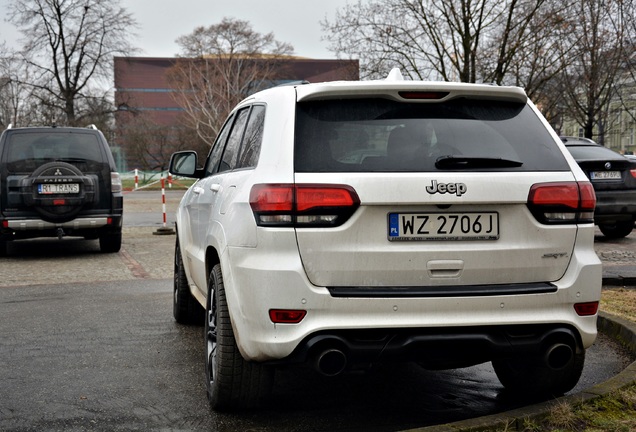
[212,258]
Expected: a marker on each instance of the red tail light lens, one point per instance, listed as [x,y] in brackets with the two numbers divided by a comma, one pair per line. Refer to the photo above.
[566,202]
[303,205]
[586,309]
[286,316]
[311,197]
[272,198]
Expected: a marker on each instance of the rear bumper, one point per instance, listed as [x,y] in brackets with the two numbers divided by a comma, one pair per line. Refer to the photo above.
[257,281]
[440,348]
[25,228]
[615,205]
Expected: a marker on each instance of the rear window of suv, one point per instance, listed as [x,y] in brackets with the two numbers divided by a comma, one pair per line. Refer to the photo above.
[375,135]
[26,151]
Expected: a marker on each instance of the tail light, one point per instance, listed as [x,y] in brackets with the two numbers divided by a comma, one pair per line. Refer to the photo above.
[562,203]
[423,95]
[287,316]
[115,182]
[586,309]
[302,205]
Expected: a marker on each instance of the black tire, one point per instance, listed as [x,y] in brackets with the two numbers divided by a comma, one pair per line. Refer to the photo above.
[617,230]
[4,248]
[232,383]
[110,242]
[185,308]
[530,377]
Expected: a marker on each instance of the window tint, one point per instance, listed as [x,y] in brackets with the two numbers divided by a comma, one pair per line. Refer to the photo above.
[253,137]
[384,135]
[593,153]
[26,151]
[43,146]
[230,154]
[217,148]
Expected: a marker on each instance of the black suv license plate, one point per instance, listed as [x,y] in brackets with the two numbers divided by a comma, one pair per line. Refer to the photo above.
[443,226]
[58,188]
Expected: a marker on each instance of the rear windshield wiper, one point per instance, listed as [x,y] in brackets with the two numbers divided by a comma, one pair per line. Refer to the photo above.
[70,159]
[467,162]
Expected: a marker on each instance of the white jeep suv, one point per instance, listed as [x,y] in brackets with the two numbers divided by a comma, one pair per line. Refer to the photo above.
[347,223]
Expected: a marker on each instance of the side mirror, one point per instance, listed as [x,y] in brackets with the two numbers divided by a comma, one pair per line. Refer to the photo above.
[184,164]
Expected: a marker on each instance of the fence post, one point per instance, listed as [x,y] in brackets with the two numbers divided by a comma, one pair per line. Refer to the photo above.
[164,230]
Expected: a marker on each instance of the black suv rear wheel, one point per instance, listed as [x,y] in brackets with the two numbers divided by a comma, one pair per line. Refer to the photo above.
[111,241]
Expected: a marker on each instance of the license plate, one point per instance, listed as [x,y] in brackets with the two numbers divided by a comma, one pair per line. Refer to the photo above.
[58,188]
[443,226]
[605,175]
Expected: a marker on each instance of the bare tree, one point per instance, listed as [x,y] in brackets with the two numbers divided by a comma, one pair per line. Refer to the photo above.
[68,48]
[436,39]
[18,107]
[150,144]
[626,19]
[221,65]
[590,80]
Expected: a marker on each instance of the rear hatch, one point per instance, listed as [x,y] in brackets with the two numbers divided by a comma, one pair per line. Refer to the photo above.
[447,188]
[27,151]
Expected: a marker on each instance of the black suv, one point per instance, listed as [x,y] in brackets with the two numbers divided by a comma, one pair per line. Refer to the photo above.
[56,182]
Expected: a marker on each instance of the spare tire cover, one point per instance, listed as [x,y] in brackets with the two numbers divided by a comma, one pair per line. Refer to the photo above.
[58,191]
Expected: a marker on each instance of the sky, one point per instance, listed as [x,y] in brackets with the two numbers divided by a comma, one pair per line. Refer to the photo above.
[162,21]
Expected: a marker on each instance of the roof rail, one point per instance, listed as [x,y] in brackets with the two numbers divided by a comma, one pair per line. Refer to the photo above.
[92,126]
[10,126]
[293,83]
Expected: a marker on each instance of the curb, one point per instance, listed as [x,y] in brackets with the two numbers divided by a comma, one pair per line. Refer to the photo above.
[617,328]
[619,281]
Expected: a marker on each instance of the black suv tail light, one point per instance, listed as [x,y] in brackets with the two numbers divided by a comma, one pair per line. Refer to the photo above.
[303,205]
[562,203]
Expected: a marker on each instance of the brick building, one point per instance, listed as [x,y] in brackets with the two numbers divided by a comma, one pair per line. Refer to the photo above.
[143,95]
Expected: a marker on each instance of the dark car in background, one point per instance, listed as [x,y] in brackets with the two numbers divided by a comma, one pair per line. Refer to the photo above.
[58,182]
[614,179]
